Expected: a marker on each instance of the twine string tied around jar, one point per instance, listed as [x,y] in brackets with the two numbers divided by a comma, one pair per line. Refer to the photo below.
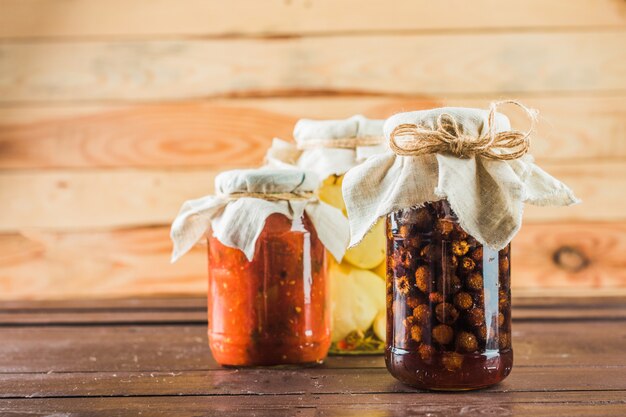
[448,137]
[341,143]
[283,196]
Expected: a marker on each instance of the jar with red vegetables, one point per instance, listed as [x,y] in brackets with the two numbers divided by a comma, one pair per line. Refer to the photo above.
[451,190]
[268,300]
[273,309]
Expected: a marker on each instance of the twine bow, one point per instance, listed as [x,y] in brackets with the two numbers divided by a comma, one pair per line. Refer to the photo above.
[448,138]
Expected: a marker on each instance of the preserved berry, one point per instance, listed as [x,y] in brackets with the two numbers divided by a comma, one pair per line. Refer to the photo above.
[449,323]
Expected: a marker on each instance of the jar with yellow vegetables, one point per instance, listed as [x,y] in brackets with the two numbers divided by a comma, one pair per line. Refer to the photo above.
[357,284]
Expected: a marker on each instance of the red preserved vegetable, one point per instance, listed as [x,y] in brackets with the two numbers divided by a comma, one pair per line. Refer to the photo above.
[272,310]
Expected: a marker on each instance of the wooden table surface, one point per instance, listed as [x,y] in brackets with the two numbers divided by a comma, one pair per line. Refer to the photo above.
[150,357]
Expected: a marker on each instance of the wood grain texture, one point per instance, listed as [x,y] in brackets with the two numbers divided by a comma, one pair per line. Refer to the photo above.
[135,262]
[570,256]
[66,199]
[88,264]
[113,113]
[578,404]
[97,199]
[87,18]
[115,305]
[144,136]
[205,134]
[65,314]
[153,347]
[595,183]
[104,318]
[194,304]
[510,63]
[281,382]
[574,367]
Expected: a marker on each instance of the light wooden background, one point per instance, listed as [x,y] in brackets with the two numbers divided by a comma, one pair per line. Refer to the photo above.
[114,112]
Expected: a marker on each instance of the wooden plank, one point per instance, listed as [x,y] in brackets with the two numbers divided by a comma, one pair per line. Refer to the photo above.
[594,183]
[177,134]
[193,304]
[205,134]
[113,305]
[552,302]
[566,256]
[121,198]
[199,316]
[509,63]
[135,262]
[193,310]
[97,264]
[199,303]
[98,198]
[589,404]
[177,348]
[87,18]
[280,382]
[126,317]
[113,348]
[569,293]
[584,375]
[78,317]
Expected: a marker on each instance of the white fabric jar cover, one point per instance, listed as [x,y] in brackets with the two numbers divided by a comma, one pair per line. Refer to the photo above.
[245,199]
[329,147]
[486,194]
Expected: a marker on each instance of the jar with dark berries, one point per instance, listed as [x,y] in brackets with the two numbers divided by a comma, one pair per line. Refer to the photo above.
[448,303]
[452,189]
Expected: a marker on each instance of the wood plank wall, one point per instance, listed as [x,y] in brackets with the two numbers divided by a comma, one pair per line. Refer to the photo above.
[114,112]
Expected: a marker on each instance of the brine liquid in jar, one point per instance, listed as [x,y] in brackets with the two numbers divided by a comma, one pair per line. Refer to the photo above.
[448,303]
[273,310]
[357,286]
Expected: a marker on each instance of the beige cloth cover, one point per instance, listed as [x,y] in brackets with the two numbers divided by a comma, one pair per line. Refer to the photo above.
[326,160]
[487,195]
[237,220]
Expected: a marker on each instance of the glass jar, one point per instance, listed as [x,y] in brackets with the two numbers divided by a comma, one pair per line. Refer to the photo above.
[448,303]
[357,286]
[273,310]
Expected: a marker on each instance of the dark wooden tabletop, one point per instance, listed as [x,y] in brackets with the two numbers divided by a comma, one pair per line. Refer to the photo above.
[150,357]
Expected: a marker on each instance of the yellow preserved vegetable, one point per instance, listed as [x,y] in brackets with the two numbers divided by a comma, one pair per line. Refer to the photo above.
[357,297]
[371,251]
[357,286]
[380,325]
[381,270]
[330,192]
